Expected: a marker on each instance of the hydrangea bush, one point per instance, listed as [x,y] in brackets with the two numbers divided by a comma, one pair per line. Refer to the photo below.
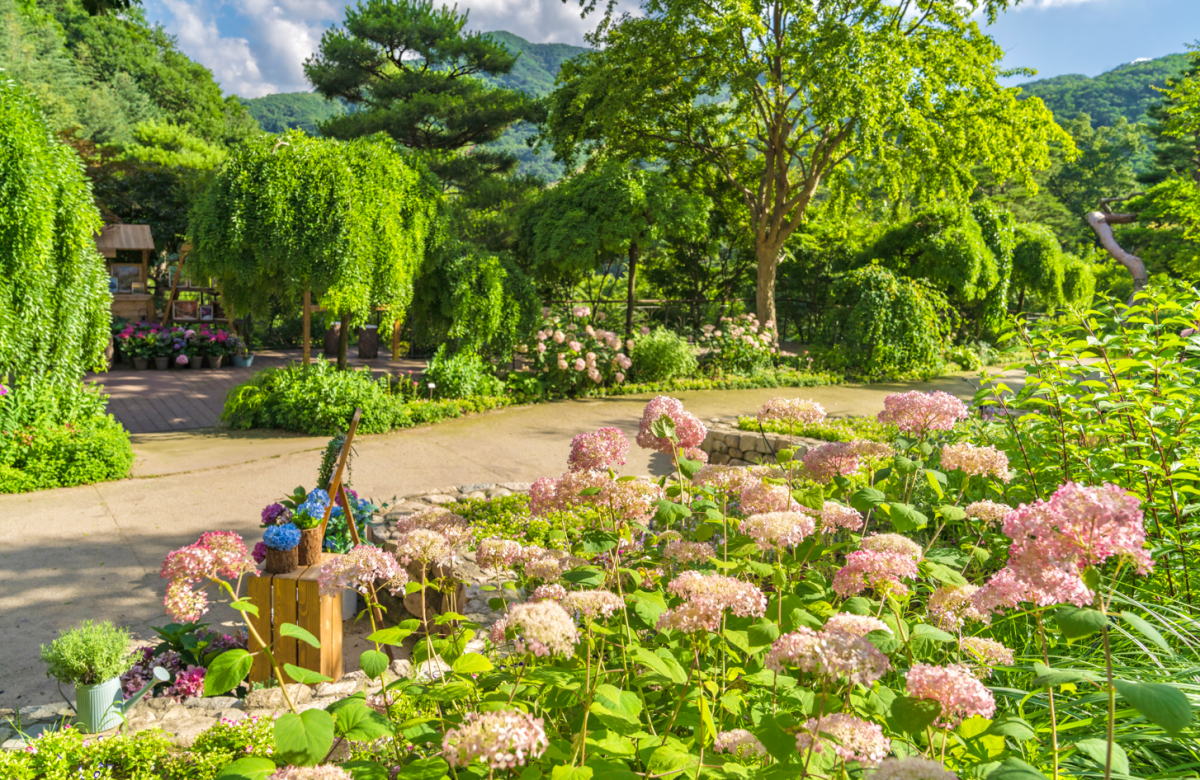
[568,356]
[875,611]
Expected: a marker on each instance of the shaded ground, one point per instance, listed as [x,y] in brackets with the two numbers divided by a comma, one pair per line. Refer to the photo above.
[95,551]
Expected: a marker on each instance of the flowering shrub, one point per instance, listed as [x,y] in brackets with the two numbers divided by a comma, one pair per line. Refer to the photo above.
[147,340]
[570,357]
[894,618]
[738,345]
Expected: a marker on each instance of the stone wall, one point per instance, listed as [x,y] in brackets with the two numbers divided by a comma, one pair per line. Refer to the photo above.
[726,444]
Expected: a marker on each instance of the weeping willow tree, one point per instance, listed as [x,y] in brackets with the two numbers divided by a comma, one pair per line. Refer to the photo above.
[54,299]
[288,216]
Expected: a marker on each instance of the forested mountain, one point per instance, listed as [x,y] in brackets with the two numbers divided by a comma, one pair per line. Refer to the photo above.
[1124,91]
[292,110]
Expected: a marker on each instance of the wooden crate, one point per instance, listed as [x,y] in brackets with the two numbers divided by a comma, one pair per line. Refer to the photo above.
[295,598]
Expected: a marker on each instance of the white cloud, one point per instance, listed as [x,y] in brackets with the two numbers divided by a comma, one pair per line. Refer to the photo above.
[233,63]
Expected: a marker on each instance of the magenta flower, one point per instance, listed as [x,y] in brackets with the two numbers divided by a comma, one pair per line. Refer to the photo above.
[688,429]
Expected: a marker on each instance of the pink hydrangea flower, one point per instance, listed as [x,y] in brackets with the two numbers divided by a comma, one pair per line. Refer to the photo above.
[834,654]
[423,546]
[912,768]
[985,653]
[778,529]
[687,552]
[954,687]
[455,528]
[544,628]
[952,605]
[550,592]
[883,572]
[856,739]
[593,603]
[794,411]
[1054,540]
[362,567]
[499,739]
[688,429]
[706,597]
[217,555]
[858,625]
[496,553]
[598,450]
[892,543]
[835,516]
[740,743]
[988,511]
[759,498]
[726,479]
[837,458]
[919,413]
[631,499]
[975,461]
[327,772]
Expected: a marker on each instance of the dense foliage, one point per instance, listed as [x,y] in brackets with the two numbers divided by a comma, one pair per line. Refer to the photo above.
[662,354]
[285,111]
[1125,92]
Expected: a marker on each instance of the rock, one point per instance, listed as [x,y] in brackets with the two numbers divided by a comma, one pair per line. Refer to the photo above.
[718,459]
[720,446]
[319,703]
[186,731]
[733,439]
[232,714]
[747,442]
[439,499]
[517,487]
[401,667]
[272,698]
[46,712]
[734,453]
[342,687]
[498,493]
[159,703]
[762,446]
[431,669]
[212,703]
[476,487]
[738,462]
[358,675]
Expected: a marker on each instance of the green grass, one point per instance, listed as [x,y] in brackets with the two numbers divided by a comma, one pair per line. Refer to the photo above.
[840,429]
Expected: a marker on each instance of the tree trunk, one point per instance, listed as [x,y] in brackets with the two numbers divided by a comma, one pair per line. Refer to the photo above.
[1102,224]
[343,341]
[768,262]
[632,274]
[307,339]
[1021,300]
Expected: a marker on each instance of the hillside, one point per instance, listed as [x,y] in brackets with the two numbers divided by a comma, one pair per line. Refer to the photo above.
[1124,91]
[534,73]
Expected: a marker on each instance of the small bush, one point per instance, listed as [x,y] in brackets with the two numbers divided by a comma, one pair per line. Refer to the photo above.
[58,436]
[320,400]
[70,755]
[508,517]
[89,654]
[662,354]
[461,375]
[738,345]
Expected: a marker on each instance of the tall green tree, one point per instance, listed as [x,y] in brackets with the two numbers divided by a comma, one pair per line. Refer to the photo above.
[1176,138]
[784,97]
[347,221]
[54,299]
[409,70]
[610,210]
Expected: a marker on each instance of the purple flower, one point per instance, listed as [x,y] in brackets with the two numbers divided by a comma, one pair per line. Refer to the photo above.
[181,360]
[271,514]
[260,552]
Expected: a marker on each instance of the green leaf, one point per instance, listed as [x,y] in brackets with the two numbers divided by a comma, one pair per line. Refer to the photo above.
[812,498]
[1162,704]
[906,518]
[227,671]
[943,573]
[1015,769]
[884,641]
[625,704]
[373,663]
[587,576]
[1055,677]
[596,542]
[1076,622]
[774,731]
[648,605]
[1097,750]
[304,739]
[1014,727]
[366,770]
[905,466]
[935,485]
[671,669]
[424,769]
[472,663]
[390,636]
[857,605]
[950,514]
[360,723]
[762,633]
[867,499]
[293,630]
[931,633]
[249,768]
[568,772]
[669,514]
[1146,630]
[663,428]
[690,467]
[245,605]
[913,716]
[305,676]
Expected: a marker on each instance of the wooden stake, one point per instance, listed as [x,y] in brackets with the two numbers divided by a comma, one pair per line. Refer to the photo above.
[307,318]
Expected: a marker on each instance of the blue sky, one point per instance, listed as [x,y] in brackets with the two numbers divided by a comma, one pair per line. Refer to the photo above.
[256,47]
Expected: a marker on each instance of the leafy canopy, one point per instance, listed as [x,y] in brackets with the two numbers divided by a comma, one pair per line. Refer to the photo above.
[782,97]
[348,220]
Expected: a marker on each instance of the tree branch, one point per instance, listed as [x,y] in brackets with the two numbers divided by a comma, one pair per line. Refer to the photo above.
[1137,269]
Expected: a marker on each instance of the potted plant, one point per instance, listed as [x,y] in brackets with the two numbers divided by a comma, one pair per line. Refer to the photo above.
[240,353]
[162,349]
[307,516]
[219,348]
[92,657]
[283,548]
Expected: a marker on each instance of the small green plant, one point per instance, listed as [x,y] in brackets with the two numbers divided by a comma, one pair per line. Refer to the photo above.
[70,754]
[662,354]
[89,654]
[508,517]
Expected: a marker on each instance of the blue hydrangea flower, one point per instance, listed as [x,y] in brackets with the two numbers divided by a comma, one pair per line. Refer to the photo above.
[282,537]
[318,496]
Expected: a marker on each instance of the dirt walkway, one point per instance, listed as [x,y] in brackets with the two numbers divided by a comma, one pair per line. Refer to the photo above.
[95,552]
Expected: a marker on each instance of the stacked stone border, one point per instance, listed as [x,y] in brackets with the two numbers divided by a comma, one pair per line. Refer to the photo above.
[728,445]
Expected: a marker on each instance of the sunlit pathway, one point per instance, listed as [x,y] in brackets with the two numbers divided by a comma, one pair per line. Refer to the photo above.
[95,552]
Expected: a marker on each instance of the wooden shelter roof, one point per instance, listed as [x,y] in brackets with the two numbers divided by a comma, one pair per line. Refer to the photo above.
[114,237]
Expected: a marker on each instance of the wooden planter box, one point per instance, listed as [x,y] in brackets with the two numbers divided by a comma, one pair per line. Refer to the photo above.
[295,598]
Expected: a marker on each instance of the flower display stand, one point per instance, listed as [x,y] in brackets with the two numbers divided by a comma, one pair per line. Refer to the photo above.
[295,598]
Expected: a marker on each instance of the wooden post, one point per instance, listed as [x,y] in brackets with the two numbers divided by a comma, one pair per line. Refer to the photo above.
[396,340]
[307,320]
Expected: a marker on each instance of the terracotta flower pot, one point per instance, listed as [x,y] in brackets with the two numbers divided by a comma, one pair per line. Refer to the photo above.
[310,546]
[214,361]
[141,364]
[162,363]
[282,561]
